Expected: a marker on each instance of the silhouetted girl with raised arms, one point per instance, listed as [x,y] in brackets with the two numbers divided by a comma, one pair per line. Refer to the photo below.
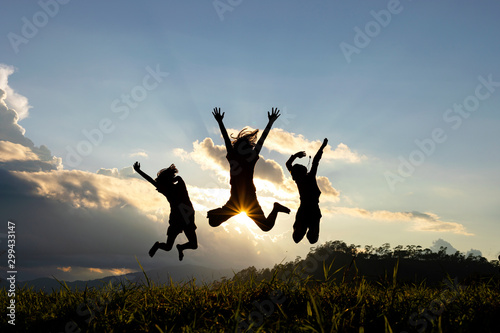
[181,210]
[242,155]
[308,214]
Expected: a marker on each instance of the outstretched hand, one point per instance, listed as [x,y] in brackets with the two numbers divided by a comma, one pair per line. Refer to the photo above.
[275,113]
[325,142]
[217,115]
[300,154]
[137,166]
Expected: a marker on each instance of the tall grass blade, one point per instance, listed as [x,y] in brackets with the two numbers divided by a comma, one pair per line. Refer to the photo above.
[143,272]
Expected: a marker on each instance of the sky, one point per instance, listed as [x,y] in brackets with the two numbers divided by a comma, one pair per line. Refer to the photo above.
[407,93]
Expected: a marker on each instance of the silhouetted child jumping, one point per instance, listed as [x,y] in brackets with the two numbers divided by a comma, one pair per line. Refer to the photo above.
[242,155]
[181,210]
[308,214]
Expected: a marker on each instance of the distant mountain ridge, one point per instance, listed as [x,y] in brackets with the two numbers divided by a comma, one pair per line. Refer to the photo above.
[177,274]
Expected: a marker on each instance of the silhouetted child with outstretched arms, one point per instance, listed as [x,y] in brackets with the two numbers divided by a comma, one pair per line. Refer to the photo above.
[242,155]
[308,214]
[181,210]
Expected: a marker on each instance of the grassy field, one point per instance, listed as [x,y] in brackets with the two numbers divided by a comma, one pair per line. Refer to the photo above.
[284,303]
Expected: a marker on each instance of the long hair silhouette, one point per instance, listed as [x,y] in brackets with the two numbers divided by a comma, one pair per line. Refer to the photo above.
[242,155]
[181,209]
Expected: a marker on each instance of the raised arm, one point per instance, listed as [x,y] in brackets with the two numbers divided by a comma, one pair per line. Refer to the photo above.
[275,113]
[137,168]
[292,158]
[317,157]
[218,116]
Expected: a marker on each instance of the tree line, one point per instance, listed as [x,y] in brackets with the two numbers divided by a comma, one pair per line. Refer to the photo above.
[335,260]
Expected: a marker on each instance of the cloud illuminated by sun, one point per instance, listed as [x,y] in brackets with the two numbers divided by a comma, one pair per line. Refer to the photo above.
[65,269]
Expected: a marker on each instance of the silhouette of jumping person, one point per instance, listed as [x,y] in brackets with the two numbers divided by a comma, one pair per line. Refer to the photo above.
[181,210]
[308,214]
[242,155]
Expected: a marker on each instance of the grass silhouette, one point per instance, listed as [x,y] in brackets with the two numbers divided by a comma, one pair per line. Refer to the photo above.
[288,301]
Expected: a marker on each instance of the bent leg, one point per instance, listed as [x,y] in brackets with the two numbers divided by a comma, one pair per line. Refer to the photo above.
[219,215]
[191,244]
[299,231]
[256,214]
[164,246]
[313,233]
[172,233]
[169,244]
[271,218]
[153,249]
[300,226]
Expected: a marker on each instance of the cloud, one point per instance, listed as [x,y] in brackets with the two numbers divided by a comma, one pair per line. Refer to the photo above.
[213,157]
[14,156]
[89,190]
[420,221]
[10,151]
[78,219]
[65,269]
[11,131]
[127,172]
[269,170]
[437,244]
[85,225]
[81,225]
[289,143]
[139,154]
[269,179]
[16,101]
[207,155]
[327,190]
[85,220]
[474,252]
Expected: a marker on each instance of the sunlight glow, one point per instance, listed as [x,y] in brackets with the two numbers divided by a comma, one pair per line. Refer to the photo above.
[243,219]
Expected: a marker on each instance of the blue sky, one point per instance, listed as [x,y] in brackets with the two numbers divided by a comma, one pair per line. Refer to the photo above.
[411,71]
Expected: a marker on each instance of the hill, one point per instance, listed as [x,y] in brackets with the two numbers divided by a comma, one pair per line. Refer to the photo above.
[183,273]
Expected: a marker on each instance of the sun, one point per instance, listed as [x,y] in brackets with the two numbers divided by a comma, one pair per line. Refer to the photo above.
[242,218]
